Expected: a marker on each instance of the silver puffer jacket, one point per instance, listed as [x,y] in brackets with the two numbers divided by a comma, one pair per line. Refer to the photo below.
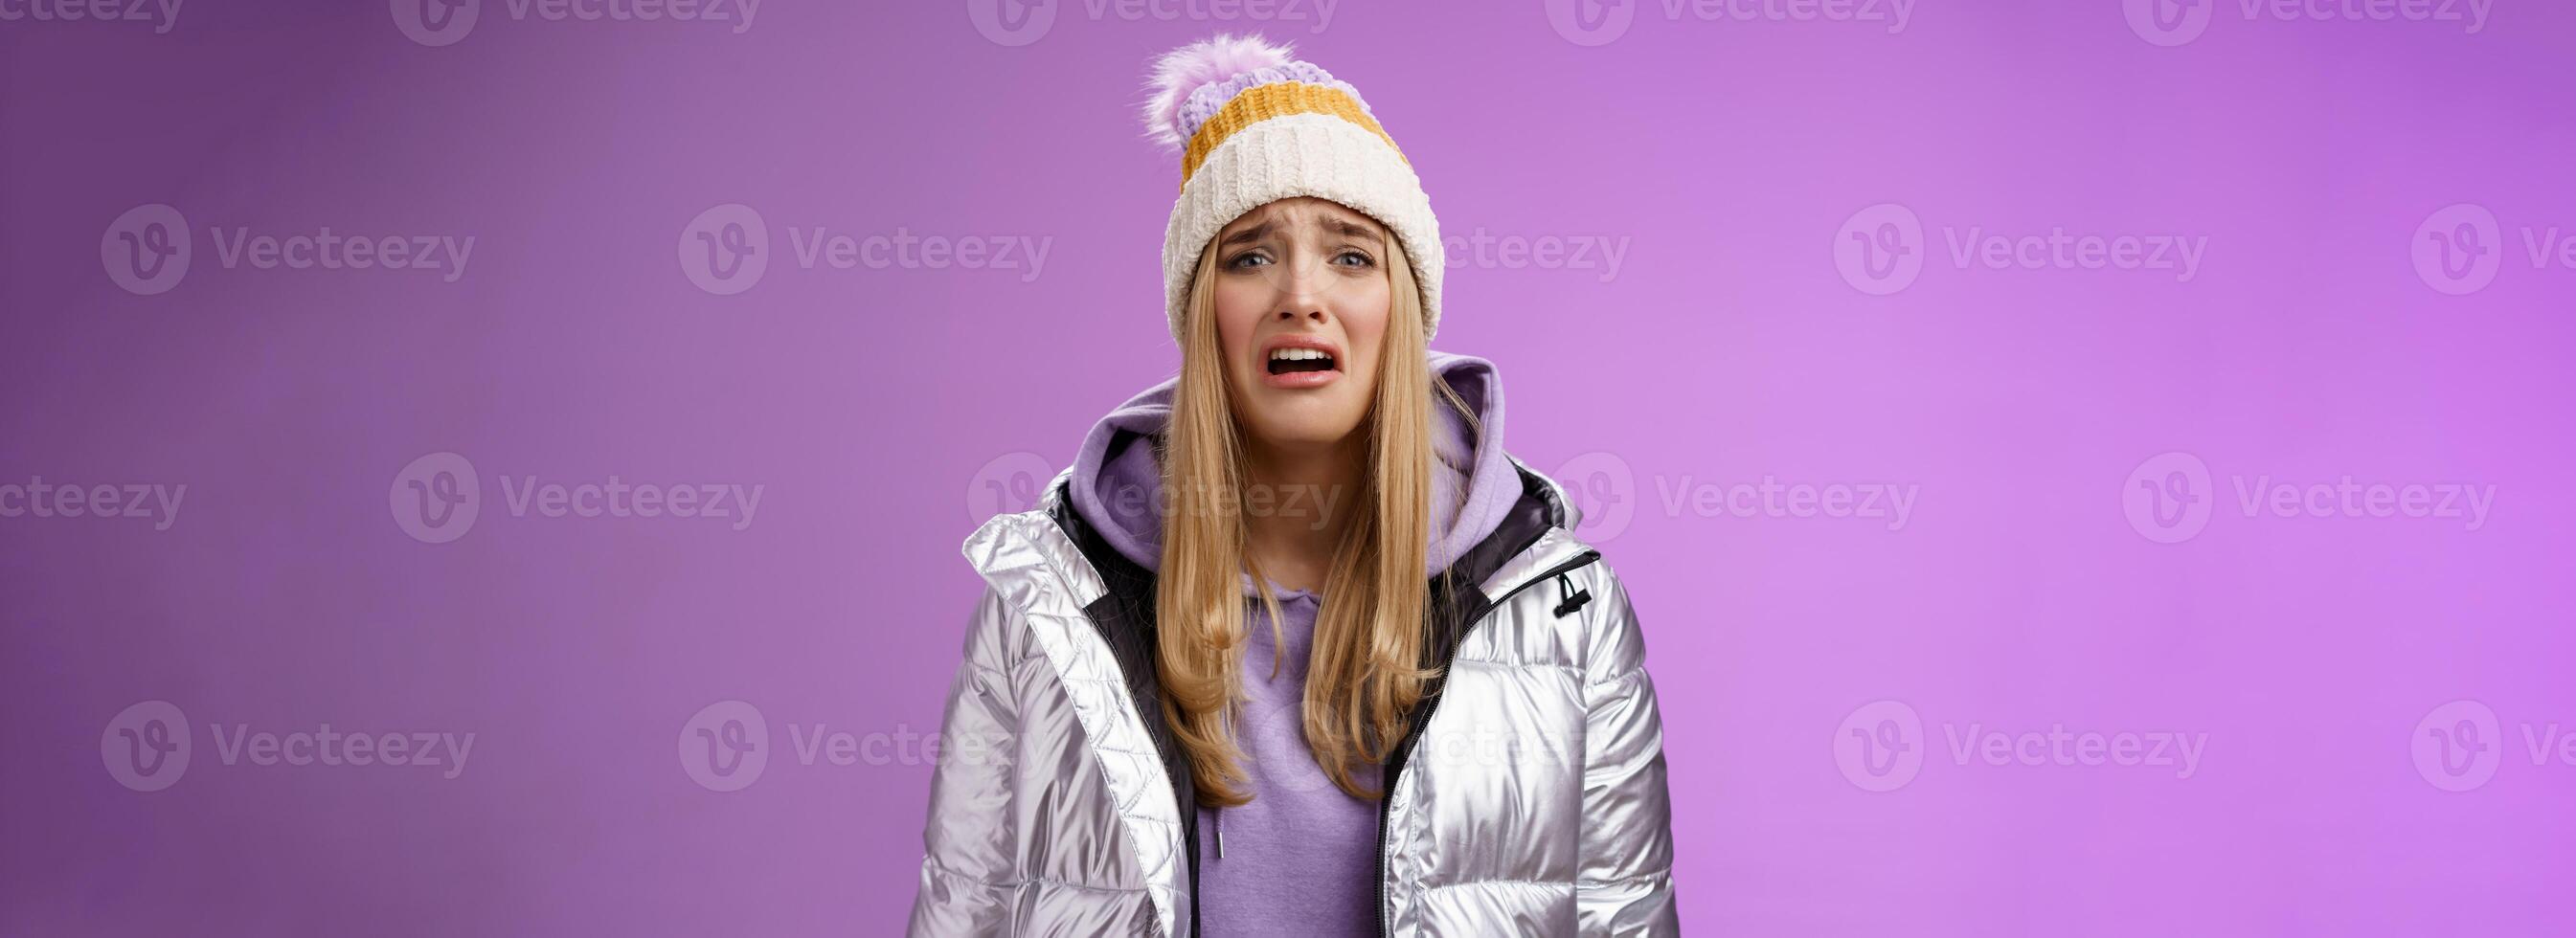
[1528,799]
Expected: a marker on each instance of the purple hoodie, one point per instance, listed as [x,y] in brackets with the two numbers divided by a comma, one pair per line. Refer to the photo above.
[1301,858]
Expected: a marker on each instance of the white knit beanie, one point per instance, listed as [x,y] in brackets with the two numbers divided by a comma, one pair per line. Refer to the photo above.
[1257,126]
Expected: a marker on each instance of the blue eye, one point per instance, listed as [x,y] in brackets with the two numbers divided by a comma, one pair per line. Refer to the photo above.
[1364,259]
[1239,259]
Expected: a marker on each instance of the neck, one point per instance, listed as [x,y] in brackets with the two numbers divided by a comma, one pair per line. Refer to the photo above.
[1297,504]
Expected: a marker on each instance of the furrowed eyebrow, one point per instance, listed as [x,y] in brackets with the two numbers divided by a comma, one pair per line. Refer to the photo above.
[1254,233]
[1342,226]
[1353,229]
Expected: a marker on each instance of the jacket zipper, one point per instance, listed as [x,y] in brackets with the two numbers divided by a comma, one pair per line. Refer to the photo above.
[1192,846]
[1186,823]
[1386,803]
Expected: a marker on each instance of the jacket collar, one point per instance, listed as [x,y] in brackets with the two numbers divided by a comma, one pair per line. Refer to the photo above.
[1520,548]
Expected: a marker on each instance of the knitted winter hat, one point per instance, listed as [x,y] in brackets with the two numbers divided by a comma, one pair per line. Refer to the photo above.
[1256,126]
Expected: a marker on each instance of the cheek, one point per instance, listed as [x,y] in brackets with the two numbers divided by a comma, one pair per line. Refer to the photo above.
[1238,312]
[1364,317]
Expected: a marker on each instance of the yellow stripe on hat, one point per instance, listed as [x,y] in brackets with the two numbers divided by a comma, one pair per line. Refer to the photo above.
[1277,99]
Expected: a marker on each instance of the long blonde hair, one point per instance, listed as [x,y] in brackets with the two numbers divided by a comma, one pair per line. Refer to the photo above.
[1368,664]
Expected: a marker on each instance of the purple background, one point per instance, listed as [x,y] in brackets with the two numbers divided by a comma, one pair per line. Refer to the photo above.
[876,408]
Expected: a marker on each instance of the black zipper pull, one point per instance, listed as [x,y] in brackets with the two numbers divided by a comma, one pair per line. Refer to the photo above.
[1572,599]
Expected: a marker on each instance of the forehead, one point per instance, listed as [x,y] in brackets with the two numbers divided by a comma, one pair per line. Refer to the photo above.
[1303,211]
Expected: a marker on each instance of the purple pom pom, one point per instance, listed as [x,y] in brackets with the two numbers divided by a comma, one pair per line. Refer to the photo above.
[1183,70]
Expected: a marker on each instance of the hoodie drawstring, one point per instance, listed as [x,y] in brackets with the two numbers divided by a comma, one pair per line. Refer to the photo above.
[1569,598]
[1220,833]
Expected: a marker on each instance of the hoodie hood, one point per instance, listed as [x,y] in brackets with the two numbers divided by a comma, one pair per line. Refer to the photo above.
[1473,482]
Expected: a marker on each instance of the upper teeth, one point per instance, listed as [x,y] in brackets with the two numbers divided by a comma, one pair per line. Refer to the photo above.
[1296,354]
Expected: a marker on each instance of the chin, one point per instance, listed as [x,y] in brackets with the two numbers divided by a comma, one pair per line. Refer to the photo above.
[1301,429]
[1298,433]
[1297,418]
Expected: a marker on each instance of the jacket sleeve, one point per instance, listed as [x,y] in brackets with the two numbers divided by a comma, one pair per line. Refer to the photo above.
[1624,884]
[970,876]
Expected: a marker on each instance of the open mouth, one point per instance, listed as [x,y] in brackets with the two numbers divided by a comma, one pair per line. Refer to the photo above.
[1286,361]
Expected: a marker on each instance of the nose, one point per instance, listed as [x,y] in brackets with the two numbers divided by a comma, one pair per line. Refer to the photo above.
[1302,295]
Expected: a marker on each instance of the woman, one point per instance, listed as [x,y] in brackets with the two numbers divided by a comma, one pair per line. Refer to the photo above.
[1294,647]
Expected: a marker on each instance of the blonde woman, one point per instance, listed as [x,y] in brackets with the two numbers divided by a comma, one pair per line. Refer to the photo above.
[1294,647]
